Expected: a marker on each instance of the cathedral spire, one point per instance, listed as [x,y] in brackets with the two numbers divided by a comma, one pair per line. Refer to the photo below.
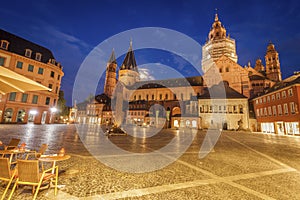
[216,15]
[112,58]
[129,61]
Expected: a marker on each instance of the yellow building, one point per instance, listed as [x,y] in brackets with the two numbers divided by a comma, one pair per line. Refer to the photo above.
[36,63]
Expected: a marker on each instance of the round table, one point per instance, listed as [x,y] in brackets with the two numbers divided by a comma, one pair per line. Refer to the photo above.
[54,158]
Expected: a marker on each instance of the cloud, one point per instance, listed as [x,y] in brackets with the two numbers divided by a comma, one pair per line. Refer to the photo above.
[145,74]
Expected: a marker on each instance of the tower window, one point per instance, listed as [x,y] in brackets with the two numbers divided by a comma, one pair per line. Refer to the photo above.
[227,69]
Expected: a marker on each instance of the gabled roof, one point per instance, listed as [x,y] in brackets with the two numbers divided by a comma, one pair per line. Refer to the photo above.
[221,91]
[18,46]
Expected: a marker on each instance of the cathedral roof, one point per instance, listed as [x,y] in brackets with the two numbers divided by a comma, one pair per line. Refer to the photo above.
[295,79]
[129,62]
[102,98]
[217,92]
[176,82]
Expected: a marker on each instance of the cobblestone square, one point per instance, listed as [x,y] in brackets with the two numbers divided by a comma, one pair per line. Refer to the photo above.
[241,166]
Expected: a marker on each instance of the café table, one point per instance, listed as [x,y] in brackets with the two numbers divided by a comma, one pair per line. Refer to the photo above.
[54,158]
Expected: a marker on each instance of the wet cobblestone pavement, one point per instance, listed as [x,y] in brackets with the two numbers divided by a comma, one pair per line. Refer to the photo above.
[241,166]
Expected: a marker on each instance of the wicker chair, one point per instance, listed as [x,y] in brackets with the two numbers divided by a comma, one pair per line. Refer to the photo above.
[6,174]
[28,174]
[38,154]
[13,144]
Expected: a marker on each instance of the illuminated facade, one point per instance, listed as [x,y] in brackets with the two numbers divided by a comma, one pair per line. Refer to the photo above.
[183,102]
[277,110]
[36,63]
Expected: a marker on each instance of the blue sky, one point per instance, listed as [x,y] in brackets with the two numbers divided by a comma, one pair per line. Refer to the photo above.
[71,30]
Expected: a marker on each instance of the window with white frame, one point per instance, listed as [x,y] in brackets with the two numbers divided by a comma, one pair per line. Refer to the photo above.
[277,95]
[264,99]
[292,107]
[4,44]
[268,98]
[285,108]
[273,97]
[265,112]
[28,53]
[283,94]
[38,56]
[257,112]
[270,111]
[279,109]
[290,91]
[261,112]
[274,110]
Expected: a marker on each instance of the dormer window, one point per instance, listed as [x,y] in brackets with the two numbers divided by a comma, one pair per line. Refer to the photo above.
[38,56]
[53,61]
[28,53]
[4,44]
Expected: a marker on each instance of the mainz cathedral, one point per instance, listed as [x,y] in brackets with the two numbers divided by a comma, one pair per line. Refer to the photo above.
[186,102]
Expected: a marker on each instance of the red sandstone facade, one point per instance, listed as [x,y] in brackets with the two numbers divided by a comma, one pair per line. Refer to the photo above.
[277,111]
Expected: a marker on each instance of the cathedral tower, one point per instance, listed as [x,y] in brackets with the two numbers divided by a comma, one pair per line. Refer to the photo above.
[218,44]
[272,64]
[259,66]
[111,75]
[129,73]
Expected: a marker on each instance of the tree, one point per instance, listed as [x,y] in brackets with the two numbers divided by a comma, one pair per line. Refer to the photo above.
[63,110]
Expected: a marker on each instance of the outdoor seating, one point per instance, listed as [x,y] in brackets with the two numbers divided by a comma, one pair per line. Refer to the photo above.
[6,174]
[28,174]
[37,154]
[13,144]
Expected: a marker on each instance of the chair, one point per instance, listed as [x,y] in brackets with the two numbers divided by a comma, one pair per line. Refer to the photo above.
[6,174]
[38,154]
[28,174]
[13,144]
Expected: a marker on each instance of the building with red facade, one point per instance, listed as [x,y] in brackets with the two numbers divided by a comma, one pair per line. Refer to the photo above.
[277,110]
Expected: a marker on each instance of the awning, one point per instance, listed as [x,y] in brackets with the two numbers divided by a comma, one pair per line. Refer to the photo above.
[11,81]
